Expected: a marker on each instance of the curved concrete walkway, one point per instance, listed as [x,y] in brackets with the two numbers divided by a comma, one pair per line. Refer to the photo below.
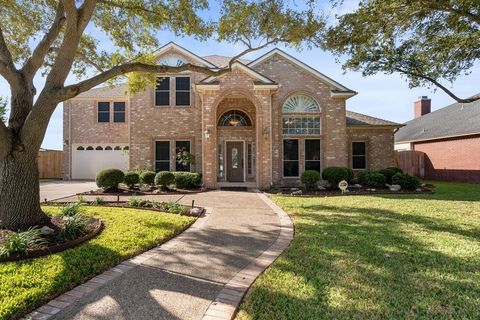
[203,273]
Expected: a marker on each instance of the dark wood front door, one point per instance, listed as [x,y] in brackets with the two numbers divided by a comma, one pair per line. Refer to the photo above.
[235,161]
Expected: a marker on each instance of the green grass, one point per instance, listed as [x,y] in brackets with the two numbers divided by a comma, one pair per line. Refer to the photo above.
[376,257]
[28,284]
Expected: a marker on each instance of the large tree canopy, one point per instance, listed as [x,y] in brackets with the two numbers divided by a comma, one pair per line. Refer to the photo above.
[429,41]
[61,37]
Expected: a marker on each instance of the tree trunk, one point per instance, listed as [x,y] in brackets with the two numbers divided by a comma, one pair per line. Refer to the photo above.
[20,191]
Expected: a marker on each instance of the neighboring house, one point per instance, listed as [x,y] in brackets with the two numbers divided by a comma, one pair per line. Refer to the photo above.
[449,137]
[262,124]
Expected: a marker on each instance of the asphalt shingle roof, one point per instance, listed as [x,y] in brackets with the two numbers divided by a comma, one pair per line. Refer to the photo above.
[221,61]
[358,119]
[454,120]
[107,91]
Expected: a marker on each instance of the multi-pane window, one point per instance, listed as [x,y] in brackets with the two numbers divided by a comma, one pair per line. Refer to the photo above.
[359,155]
[250,159]
[104,112]
[290,158]
[162,92]
[119,112]
[182,151]
[312,154]
[182,91]
[301,125]
[162,155]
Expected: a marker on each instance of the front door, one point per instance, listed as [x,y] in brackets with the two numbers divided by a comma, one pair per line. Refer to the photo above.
[235,161]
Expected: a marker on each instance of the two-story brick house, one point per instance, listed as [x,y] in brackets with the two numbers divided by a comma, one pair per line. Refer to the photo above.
[262,124]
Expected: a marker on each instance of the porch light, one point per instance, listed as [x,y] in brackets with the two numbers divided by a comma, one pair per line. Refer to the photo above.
[207,133]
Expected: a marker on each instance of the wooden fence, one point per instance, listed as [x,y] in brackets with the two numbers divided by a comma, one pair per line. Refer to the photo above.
[50,164]
[411,162]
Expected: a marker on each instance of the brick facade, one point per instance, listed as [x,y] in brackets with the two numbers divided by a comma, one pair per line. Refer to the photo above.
[259,91]
[455,159]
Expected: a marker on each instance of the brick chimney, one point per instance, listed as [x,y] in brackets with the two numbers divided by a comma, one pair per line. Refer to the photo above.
[422,106]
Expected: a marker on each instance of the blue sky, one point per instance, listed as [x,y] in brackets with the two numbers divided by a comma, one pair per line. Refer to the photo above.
[383,96]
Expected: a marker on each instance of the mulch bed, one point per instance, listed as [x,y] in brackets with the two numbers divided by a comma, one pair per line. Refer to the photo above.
[55,245]
[351,192]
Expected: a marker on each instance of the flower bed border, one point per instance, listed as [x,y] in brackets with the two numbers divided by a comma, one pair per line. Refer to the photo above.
[339,193]
[99,226]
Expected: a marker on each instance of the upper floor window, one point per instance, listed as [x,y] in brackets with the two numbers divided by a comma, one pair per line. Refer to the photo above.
[162,92]
[234,118]
[300,103]
[301,125]
[359,155]
[103,112]
[182,91]
[119,112]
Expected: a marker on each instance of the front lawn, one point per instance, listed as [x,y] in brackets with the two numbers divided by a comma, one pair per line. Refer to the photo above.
[29,284]
[376,257]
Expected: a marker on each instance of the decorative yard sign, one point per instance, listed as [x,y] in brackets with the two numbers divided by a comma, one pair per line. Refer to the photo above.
[343,185]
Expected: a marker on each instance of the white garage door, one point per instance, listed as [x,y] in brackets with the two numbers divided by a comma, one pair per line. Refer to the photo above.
[88,160]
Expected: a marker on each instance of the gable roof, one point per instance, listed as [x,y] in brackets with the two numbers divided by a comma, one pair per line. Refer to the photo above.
[245,68]
[359,119]
[222,61]
[339,88]
[191,55]
[457,119]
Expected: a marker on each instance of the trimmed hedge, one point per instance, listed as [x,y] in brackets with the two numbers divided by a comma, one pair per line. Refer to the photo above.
[388,174]
[397,170]
[131,179]
[310,179]
[406,181]
[148,178]
[335,174]
[371,179]
[109,179]
[164,179]
[187,180]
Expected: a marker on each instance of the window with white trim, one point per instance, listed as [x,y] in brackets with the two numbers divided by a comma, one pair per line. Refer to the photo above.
[359,155]
[301,125]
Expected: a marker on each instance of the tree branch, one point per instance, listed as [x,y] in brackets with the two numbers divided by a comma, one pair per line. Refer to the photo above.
[438,84]
[36,60]
[447,7]
[7,67]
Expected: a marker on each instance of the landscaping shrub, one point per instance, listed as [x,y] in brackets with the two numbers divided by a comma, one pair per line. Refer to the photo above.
[173,207]
[164,179]
[395,169]
[351,175]
[334,175]
[406,181]
[71,210]
[140,203]
[310,179]
[74,227]
[148,178]
[131,179]
[109,179]
[388,174]
[22,242]
[98,201]
[372,179]
[187,180]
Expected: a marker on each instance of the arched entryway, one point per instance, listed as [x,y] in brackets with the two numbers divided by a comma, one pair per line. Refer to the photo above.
[236,140]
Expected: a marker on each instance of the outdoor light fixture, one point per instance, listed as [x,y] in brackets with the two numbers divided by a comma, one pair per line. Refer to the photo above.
[207,133]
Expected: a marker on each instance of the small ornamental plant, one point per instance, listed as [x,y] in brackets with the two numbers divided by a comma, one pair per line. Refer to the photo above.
[310,179]
[164,179]
[131,179]
[148,178]
[109,179]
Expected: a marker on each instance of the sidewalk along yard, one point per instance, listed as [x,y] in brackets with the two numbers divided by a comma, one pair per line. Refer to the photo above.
[376,257]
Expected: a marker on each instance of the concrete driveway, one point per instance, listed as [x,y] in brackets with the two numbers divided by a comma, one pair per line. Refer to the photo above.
[52,190]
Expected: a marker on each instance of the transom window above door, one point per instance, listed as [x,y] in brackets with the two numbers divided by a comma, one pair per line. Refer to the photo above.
[300,103]
[234,118]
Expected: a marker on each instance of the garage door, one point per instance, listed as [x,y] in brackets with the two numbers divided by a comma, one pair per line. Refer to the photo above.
[88,160]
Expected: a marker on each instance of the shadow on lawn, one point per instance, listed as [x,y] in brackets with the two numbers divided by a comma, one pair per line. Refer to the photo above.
[366,264]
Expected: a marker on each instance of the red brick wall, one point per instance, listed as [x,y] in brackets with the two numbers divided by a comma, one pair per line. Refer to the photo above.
[452,159]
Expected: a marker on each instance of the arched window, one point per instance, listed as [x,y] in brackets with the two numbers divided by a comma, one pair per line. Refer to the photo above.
[234,118]
[117,148]
[80,148]
[89,148]
[300,103]
[99,148]
[108,148]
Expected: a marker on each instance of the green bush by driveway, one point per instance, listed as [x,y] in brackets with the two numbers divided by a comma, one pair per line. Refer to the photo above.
[28,284]
[376,257]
